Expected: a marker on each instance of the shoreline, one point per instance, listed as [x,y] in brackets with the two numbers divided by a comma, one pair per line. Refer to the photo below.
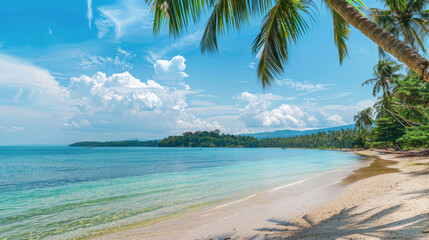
[249,216]
[328,205]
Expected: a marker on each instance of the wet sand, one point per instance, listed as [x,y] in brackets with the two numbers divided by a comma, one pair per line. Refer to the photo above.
[376,167]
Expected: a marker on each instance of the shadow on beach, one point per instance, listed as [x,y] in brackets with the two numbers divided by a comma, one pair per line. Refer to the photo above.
[350,225]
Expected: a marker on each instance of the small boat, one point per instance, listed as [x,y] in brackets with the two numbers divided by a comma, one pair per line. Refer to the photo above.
[284,148]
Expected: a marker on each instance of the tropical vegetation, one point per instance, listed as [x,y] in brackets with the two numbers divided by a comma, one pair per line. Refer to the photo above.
[324,140]
[400,117]
[332,139]
[209,139]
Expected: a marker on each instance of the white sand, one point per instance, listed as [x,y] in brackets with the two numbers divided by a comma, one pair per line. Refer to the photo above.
[389,206]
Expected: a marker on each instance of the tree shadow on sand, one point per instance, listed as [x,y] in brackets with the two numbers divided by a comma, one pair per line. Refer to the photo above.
[351,225]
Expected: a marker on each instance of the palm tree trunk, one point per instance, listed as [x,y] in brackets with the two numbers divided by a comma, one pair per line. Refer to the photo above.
[382,38]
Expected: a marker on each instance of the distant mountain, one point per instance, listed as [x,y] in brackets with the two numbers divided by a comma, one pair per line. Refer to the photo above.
[292,133]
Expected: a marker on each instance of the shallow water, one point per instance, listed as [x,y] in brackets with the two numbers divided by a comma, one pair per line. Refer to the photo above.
[66,193]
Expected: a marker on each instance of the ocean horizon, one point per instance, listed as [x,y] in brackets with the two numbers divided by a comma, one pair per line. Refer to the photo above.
[68,193]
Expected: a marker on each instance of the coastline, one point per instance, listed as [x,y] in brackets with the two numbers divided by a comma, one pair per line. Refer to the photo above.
[252,216]
[382,198]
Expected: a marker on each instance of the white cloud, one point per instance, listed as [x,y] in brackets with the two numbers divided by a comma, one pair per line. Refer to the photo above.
[185,41]
[103,26]
[172,70]
[123,101]
[124,52]
[96,62]
[336,119]
[36,99]
[257,113]
[99,103]
[252,65]
[89,13]
[126,17]
[12,129]
[261,112]
[32,84]
[306,86]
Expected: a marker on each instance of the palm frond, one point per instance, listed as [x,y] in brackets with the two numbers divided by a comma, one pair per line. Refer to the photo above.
[226,14]
[175,14]
[283,25]
[341,33]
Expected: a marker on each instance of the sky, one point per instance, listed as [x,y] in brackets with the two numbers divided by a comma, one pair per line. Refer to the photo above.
[93,70]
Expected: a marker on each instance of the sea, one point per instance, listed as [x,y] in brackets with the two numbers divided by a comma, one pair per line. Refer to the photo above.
[79,193]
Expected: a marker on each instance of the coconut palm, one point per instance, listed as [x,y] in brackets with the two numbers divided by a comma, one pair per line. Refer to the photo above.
[406,19]
[389,106]
[284,23]
[364,119]
[385,75]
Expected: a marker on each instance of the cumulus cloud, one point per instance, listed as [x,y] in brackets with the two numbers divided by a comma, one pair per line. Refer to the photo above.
[122,99]
[100,103]
[172,70]
[257,113]
[336,119]
[261,112]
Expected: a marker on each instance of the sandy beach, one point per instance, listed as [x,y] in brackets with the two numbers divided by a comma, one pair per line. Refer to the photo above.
[388,206]
[386,196]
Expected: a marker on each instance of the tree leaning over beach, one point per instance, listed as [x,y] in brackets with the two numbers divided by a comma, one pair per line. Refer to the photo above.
[407,19]
[283,24]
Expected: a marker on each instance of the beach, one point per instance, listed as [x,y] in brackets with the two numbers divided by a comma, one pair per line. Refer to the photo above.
[388,206]
[385,196]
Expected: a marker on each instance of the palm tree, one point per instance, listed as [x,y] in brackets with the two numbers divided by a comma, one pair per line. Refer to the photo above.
[406,19]
[385,75]
[364,119]
[388,106]
[283,24]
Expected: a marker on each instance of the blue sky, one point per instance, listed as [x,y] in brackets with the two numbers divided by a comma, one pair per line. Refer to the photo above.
[92,70]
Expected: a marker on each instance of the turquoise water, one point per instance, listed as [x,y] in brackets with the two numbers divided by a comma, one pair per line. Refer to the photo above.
[67,193]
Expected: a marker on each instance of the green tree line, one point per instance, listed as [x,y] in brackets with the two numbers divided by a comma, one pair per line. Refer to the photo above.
[400,117]
[332,139]
[209,139]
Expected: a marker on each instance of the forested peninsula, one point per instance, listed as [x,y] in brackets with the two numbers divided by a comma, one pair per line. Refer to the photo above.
[332,139]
